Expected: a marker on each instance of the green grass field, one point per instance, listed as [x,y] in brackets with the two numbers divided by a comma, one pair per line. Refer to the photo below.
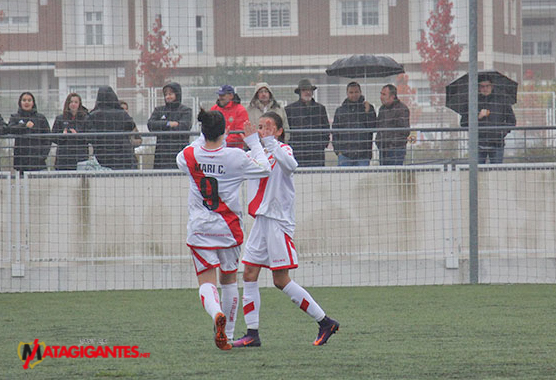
[421,332]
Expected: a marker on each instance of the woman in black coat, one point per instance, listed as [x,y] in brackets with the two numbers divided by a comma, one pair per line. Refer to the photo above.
[111,150]
[173,116]
[71,148]
[30,150]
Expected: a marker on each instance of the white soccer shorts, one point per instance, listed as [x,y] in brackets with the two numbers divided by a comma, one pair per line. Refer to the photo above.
[270,246]
[227,259]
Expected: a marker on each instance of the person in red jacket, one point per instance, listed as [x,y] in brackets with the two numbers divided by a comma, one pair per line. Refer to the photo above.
[235,114]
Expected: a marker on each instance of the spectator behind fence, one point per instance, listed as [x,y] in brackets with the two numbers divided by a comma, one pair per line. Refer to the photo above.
[229,104]
[263,101]
[392,114]
[173,116]
[3,125]
[71,149]
[111,150]
[31,150]
[354,148]
[135,139]
[494,111]
[306,113]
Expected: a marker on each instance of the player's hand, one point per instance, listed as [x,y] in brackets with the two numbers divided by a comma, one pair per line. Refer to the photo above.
[266,129]
[367,106]
[248,129]
[484,113]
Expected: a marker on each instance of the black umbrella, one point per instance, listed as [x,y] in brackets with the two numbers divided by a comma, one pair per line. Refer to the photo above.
[457,91]
[364,66]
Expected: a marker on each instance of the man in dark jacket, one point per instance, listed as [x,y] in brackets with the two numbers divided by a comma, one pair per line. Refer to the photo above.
[173,116]
[392,114]
[494,112]
[111,150]
[354,148]
[306,113]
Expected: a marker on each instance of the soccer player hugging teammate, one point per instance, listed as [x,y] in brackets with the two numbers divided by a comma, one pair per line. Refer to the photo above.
[215,226]
[270,243]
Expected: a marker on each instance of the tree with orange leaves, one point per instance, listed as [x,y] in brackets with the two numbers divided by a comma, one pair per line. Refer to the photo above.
[438,49]
[157,57]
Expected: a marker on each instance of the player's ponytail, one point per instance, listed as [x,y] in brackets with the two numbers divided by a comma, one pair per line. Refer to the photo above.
[213,124]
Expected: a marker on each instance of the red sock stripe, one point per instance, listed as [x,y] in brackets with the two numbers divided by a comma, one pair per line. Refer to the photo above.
[304,305]
[248,308]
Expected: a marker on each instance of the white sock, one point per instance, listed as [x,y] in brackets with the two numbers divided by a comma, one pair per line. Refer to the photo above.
[230,302]
[251,304]
[210,299]
[303,299]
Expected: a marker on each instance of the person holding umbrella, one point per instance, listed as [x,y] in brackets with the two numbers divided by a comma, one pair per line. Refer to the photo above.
[494,111]
[354,148]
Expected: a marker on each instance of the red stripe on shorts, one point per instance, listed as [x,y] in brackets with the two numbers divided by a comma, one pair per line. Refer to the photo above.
[232,220]
[289,245]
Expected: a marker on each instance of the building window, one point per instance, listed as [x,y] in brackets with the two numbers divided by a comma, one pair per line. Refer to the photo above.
[348,17]
[544,48]
[528,48]
[17,16]
[359,12]
[93,28]
[269,14]
[199,33]
[424,96]
[268,18]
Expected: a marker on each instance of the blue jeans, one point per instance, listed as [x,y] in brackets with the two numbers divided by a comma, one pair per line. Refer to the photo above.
[495,154]
[346,161]
[392,156]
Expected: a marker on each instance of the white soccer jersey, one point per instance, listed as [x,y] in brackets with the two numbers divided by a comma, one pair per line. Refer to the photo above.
[274,196]
[215,217]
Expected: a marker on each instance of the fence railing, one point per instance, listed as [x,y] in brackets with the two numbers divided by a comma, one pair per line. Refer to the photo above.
[424,146]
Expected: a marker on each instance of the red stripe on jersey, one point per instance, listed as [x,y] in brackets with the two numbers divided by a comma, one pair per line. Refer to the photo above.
[258,199]
[248,308]
[231,219]
[304,305]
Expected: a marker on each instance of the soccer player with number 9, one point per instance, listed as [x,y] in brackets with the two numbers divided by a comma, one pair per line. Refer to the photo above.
[215,225]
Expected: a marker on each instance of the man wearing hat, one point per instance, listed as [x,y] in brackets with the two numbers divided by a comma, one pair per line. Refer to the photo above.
[306,113]
[235,114]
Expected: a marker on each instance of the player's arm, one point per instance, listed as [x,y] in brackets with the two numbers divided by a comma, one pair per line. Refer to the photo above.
[256,163]
[283,154]
[180,161]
